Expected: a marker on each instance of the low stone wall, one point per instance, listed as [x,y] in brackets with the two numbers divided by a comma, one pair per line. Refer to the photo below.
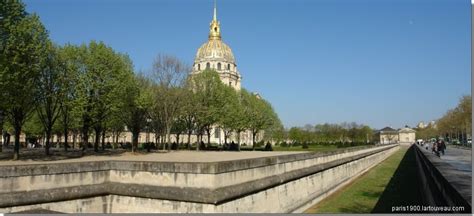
[443,185]
[284,183]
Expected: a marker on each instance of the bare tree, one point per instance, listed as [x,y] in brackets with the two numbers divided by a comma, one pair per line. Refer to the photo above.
[169,75]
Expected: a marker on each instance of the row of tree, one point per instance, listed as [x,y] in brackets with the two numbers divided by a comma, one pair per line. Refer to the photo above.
[325,133]
[456,123]
[92,90]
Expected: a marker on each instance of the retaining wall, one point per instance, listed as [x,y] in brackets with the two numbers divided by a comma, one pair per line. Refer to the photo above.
[285,183]
[443,185]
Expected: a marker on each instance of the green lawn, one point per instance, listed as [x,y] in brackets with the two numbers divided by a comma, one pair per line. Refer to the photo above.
[310,148]
[391,183]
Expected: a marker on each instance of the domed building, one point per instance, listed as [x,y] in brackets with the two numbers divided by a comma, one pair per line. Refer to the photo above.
[215,54]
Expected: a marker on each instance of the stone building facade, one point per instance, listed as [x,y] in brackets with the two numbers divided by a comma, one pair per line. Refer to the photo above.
[389,135]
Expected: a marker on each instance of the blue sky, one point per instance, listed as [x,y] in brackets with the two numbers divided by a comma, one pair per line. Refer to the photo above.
[377,62]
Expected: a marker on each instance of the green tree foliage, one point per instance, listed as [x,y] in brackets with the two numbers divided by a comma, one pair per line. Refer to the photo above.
[135,106]
[210,98]
[242,122]
[261,115]
[457,122]
[100,89]
[33,128]
[70,111]
[49,94]
[11,13]
[231,112]
[24,47]
[331,133]
[189,108]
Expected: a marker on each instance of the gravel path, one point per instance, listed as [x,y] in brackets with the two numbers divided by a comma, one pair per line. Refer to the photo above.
[37,156]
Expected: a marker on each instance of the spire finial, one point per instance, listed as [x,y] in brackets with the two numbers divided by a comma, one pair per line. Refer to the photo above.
[215,11]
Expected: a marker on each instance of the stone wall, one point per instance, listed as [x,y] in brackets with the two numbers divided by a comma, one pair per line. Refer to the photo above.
[443,185]
[284,183]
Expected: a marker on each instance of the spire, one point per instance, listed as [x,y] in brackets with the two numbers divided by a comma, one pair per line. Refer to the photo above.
[215,30]
[215,11]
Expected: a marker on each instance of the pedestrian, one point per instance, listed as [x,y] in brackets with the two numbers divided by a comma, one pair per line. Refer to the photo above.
[442,146]
[436,148]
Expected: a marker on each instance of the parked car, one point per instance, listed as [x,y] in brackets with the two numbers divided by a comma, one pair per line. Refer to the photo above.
[419,142]
[455,142]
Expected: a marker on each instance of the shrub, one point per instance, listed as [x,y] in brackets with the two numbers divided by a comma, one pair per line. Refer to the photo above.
[259,144]
[174,146]
[202,146]
[233,147]
[127,145]
[268,147]
[305,145]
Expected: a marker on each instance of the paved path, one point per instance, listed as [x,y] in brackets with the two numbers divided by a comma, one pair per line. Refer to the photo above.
[36,156]
[458,158]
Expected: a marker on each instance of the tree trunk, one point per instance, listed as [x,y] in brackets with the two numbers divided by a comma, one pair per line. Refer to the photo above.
[189,140]
[58,140]
[135,140]
[199,140]
[168,138]
[103,140]
[97,139]
[238,140]
[253,140]
[2,140]
[65,138]
[48,141]
[225,138]
[16,149]
[85,138]
[177,138]
[208,130]
[74,137]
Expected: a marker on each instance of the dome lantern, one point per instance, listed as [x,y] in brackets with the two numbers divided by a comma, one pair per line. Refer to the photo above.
[214,30]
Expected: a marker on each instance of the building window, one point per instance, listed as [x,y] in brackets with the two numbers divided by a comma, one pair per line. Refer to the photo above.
[230,83]
[219,66]
[228,66]
[217,133]
[199,67]
[208,65]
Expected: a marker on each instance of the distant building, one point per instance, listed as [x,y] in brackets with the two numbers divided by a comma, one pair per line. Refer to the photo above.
[421,125]
[388,135]
[406,135]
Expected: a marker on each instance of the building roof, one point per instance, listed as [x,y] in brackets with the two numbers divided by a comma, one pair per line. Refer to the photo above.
[387,129]
[406,130]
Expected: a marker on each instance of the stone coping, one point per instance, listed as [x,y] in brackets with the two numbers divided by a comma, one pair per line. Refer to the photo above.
[197,195]
[458,179]
[162,166]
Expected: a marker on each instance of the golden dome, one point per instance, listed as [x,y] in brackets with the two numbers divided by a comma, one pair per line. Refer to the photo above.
[215,49]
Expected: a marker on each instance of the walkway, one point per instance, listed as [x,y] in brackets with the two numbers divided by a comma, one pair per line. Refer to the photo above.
[459,158]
